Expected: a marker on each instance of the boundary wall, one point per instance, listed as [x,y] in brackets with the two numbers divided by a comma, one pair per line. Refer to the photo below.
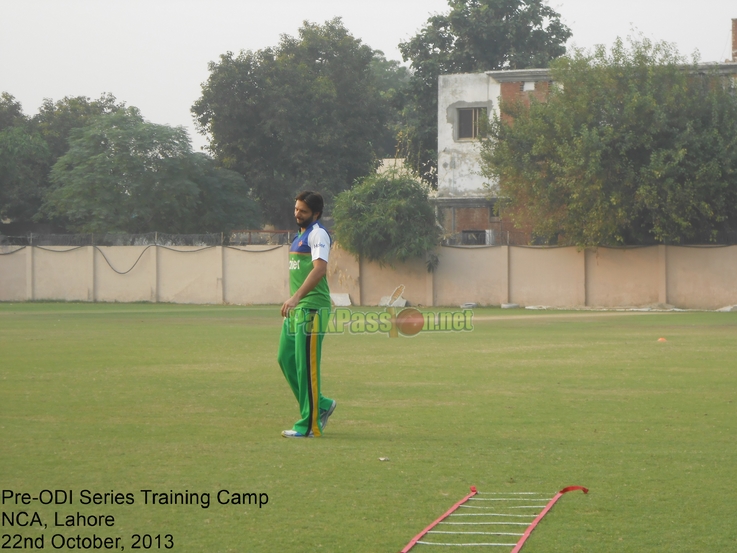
[689,277]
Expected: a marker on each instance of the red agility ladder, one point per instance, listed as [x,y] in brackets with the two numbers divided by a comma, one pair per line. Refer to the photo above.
[414,540]
[522,511]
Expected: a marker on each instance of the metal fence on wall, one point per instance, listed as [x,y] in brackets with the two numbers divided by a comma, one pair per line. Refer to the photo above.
[235,238]
[490,237]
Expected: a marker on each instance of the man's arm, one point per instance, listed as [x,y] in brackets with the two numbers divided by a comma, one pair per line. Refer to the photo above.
[319,270]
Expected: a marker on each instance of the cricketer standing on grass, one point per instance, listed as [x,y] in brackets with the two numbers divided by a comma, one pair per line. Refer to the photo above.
[306,316]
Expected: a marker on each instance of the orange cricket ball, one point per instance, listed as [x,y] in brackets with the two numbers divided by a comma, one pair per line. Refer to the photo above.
[410,321]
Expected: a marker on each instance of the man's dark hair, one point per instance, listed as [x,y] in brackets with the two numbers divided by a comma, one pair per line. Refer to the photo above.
[313,200]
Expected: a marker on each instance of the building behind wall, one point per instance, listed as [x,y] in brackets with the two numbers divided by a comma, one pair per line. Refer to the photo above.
[463,101]
[466,199]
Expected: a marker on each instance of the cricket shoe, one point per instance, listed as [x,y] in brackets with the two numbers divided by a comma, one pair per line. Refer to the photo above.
[325,414]
[295,434]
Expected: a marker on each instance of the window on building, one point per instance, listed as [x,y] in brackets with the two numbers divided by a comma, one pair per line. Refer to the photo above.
[468,122]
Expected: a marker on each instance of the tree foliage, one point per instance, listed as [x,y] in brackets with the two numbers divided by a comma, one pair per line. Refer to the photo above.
[386,218]
[392,80]
[634,147]
[24,162]
[29,147]
[123,174]
[11,112]
[306,114]
[476,35]
[55,120]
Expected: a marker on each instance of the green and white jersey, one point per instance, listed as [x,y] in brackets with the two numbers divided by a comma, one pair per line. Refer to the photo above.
[312,244]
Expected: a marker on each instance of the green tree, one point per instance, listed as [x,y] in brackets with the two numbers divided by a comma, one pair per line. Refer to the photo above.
[11,112]
[24,158]
[24,162]
[386,218]
[634,146]
[32,146]
[392,80]
[225,201]
[476,35]
[123,174]
[55,120]
[306,114]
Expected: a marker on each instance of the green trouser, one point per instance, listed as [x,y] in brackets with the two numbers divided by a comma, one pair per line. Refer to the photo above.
[300,347]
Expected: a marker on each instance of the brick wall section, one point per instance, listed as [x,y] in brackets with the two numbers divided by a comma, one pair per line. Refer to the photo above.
[513,91]
[458,219]
[472,218]
[483,218]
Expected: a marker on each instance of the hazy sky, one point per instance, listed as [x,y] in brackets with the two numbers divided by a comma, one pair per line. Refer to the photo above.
[153,54]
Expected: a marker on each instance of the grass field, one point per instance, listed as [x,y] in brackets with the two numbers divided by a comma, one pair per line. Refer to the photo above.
[126,397]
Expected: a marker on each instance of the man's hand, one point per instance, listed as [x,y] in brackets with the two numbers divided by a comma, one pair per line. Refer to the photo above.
[288,305]
[319,270]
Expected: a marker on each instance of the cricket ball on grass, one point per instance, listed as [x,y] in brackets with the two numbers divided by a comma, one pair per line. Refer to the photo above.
[410,321]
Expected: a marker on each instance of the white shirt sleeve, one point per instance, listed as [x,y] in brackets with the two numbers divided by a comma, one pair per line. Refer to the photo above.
[319,242]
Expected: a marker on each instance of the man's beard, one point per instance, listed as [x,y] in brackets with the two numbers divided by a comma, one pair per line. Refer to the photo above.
[307,222]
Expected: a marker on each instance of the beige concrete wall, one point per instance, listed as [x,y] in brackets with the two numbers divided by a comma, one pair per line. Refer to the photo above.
[344,274]
[139,281]
[377,281]
[190,274]
[13,271]
[547,276]
[687,277]
[477,274]
[618,277]
[63,273]
[702,278]
[256,274]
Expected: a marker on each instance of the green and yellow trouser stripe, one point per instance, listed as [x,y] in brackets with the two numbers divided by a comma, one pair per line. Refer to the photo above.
[300,347]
